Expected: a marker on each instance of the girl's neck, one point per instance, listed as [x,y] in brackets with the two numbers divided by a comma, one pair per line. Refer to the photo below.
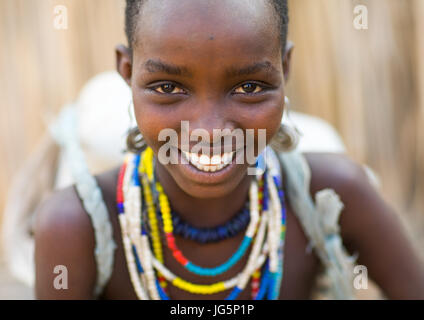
[199,212]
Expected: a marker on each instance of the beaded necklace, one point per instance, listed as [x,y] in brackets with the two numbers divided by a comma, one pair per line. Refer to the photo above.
[142,261]
[168,229]
[177,253]
[210,235]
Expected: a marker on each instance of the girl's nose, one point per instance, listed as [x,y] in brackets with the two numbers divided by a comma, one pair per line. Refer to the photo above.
[210,123]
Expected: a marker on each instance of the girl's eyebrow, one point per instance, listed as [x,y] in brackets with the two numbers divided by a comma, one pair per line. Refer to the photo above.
[153,66]
[252,69]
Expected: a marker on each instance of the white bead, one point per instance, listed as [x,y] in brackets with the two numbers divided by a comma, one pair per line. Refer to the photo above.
[262,247]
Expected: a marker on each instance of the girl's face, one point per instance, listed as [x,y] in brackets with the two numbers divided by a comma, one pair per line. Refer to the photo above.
[215,64]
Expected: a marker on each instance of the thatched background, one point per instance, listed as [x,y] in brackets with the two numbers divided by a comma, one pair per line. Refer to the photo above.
[369,84]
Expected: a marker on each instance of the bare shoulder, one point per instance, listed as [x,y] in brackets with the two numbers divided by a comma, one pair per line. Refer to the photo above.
[333,170]
[65,242]
[370,227]
[64,246]
[351,182]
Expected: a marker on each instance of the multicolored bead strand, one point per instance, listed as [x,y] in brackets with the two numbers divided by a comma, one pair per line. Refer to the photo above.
[213,288]
[214,234]
[200,289]
[178,255]
[143,258]
[145,170]
[275,291]
[128,247]
[278,230]
[221,286]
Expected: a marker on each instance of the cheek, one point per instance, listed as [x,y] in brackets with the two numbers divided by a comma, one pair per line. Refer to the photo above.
[274,122]
[267,116]
[151,120]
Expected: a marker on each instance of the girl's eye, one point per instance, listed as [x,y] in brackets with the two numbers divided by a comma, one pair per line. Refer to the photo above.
[168,88]
[249,88]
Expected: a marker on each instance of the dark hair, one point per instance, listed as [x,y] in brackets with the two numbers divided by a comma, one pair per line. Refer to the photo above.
[133,7]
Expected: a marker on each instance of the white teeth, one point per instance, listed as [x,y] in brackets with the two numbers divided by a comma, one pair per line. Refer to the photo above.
[208,164]
[194,157]
[216,160]
[204,160]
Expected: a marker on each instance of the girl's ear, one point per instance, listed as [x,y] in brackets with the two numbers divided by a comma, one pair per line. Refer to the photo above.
[124,63]
[287,59]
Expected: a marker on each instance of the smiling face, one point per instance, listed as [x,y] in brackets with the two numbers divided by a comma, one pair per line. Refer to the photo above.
[215,64]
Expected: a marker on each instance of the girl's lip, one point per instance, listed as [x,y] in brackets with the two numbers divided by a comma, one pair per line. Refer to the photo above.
[208,178]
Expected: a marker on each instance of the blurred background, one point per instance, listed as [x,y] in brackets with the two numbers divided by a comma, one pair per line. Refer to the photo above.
[369,84]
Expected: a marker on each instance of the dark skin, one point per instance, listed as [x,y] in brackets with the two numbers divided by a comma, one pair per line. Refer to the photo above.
[204,94]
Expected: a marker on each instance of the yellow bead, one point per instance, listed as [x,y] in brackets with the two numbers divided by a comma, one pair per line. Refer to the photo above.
[158,253]
[199,289]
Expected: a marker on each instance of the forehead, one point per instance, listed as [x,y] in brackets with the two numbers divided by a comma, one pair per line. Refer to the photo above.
[208,29]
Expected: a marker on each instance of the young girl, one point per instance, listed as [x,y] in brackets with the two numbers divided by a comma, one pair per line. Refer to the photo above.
[203,226]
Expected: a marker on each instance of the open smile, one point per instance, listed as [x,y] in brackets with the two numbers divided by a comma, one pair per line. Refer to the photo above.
[210,170]
[209,164]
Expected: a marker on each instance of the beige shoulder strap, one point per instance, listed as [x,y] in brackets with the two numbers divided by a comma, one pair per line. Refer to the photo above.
[319,219]
[64,131]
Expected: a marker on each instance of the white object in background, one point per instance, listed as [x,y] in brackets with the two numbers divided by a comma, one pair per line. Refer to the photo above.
[103,119]
[317,135]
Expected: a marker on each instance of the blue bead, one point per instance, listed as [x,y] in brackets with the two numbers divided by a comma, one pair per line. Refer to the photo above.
[192,233]
[272,284]
[203,237]
[223,267]
[234,294]
[232,230]
[222,231]
[137,260]
[177,228]
[162,293]
[207,235]
[277,181]
[135,176]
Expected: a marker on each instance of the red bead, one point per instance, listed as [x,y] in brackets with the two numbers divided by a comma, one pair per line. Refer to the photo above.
[171,241]
[180,258]
[119,193]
